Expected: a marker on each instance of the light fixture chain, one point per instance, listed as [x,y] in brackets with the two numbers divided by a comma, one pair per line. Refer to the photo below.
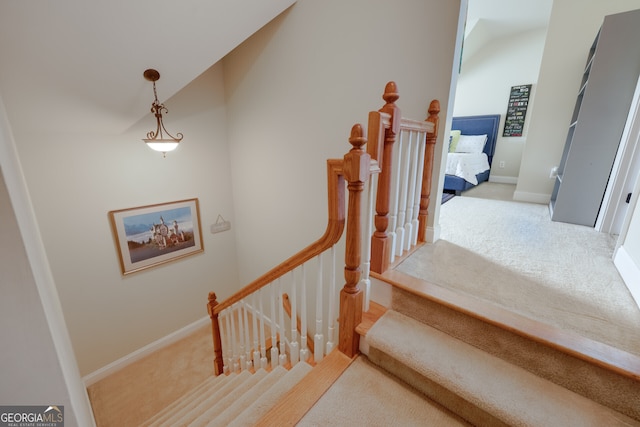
[155,94]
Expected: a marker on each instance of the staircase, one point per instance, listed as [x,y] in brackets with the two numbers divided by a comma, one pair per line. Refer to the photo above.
[444,356]
[240,398]
[469,361]
[493,374]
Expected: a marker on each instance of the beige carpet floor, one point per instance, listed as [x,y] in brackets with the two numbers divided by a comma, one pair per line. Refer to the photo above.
[512,254]
[492,190]
[140,390]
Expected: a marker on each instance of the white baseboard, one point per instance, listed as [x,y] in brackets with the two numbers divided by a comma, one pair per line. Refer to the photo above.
[629,272]
[523,196]
[433,233]
[503,179]
[115,366]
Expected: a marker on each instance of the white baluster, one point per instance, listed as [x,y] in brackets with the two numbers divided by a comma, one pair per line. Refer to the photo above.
[331,321]
[273,326]
[294,350]
[318,338]
[263,344]
[304,350]
[256,343]
[241,341]
[227,361]
[282,358]
[394,197]
[413,169]
[234,338]
[365,282]
[247,337]
[422,137]
[403,175]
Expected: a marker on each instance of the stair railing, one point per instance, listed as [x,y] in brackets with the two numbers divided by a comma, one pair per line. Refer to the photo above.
[229,317]
[405,150]
[256,311]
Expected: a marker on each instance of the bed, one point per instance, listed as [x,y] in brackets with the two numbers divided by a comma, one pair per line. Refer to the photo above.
[470,162]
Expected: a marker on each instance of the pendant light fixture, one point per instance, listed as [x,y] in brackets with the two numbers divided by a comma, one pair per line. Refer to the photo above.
[160,140]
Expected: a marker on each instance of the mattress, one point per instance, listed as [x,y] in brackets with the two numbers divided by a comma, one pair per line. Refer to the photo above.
[467,165]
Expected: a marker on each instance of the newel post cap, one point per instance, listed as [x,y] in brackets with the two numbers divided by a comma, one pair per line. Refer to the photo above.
[356,161]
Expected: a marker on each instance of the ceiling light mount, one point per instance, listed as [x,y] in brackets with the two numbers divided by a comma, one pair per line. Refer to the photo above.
[160,139]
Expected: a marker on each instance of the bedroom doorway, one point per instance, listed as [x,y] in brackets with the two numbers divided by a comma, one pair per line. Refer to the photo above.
[462,104]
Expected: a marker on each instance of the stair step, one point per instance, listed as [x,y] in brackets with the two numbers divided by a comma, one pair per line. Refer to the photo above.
[234,399]
[210,395]
[480,387]
[209,410]
[247,399]
[167,411]
[297,401]
[367,395]
[190,399]
[594,370]
[252,414]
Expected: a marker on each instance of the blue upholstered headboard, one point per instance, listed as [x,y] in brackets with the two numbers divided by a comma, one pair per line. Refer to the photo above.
[480,125]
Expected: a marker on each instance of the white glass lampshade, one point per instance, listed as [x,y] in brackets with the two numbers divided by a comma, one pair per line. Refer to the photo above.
[161,146]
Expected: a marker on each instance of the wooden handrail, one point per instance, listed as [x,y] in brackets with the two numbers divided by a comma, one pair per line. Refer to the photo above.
[332,234]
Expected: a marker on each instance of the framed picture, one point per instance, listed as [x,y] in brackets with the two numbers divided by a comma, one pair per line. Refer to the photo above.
[148,236]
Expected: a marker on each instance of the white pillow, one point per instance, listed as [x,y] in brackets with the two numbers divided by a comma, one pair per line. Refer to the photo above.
[471,143]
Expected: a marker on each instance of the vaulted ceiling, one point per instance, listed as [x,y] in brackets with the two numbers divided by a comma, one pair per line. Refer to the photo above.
[488,20]
[76,65]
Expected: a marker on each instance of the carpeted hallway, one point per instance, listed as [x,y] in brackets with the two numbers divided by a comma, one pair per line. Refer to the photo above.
[512,254]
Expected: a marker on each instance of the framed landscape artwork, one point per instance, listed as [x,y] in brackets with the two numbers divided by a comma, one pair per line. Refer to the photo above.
[148,236]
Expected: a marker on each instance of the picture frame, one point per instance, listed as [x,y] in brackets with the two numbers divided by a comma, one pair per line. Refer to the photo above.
[152,235]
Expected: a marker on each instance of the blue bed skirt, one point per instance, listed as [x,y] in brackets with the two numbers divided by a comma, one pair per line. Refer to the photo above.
[455,184]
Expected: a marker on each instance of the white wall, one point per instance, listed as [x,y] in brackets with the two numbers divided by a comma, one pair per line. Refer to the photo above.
[75,179]
[572,28]
[623,216]
[294,90]
[29,354]
[33,328]
[484,85]
[627,255]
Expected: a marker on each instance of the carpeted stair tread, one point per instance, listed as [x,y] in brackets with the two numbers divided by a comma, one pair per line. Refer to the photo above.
[226,416]
[203,414]
[211,396]
[505,391]
[191,398]
[261,406]
[365,395]
[212,381]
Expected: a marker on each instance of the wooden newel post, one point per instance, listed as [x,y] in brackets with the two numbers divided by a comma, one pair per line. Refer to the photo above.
[427,171]
[356,172]
[218,365]
[380,243]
